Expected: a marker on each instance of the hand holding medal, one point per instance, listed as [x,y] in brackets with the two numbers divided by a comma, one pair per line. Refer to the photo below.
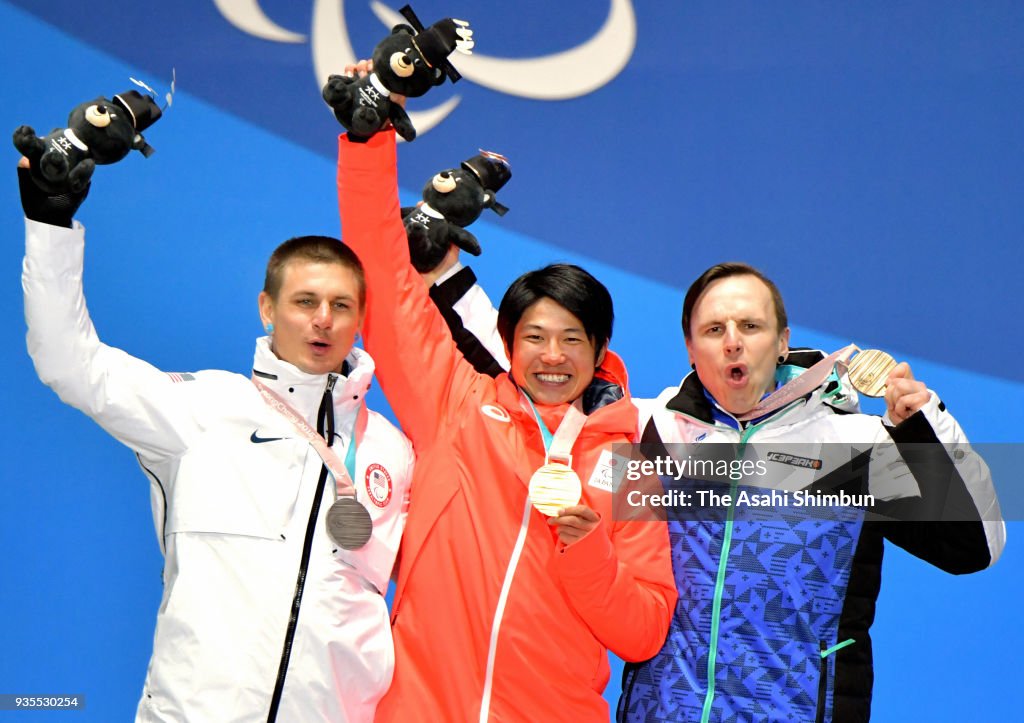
[903,394]
[574,523]
[875,373]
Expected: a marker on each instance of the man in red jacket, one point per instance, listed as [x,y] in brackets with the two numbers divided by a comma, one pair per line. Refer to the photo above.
[503,612]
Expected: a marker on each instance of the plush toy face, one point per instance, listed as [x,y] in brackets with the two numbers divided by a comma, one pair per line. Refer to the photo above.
[401,67]
[105,128]
[457,195]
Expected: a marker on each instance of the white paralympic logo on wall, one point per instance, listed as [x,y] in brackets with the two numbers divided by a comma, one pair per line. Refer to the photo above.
[571,73]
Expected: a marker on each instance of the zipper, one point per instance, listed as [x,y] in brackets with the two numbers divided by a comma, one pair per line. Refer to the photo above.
[163,508]
[723,559]
[324,418]
[492,648]
[723,555]
[826,653]
[745,436]
[716,604]
[819,716]
[629,674]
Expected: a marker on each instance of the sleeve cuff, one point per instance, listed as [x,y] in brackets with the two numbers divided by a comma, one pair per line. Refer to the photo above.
[588,557]
[54,250]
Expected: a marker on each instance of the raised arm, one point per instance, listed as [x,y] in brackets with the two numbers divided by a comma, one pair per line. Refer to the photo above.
[130,399]
[956,523]
[472,320]
[420,370]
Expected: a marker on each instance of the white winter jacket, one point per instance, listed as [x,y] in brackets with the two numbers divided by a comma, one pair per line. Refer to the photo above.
[262,615]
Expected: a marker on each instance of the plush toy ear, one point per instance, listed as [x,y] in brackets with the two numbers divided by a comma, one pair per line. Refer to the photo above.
[439,77]
[402,28]
[139,144]
[492,203]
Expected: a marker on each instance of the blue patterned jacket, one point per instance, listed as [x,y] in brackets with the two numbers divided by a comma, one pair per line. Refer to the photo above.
[776,596]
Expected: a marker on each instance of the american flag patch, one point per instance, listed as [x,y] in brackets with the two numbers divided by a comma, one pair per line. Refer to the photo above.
[180,377]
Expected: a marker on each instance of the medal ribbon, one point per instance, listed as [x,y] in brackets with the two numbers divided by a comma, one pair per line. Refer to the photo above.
[801,385]
[558,447]
[343,473]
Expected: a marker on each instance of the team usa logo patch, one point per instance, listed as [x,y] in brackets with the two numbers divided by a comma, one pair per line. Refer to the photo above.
[495,412]
[378,485]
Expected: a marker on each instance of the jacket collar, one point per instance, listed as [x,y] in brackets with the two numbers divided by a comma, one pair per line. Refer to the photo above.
[305,391]
[614,413]
[694,401]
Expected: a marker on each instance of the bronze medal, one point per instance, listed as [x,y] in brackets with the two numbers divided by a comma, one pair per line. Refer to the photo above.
[554,487]
[869,370]
[349,524]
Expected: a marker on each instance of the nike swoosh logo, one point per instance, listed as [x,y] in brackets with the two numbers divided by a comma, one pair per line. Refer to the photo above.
[258,440]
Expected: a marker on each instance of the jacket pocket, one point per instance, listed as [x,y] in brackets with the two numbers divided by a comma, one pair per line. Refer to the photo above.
[237,489]
[826,654]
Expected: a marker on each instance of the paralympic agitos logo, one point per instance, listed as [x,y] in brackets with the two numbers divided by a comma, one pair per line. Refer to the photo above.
[573,72]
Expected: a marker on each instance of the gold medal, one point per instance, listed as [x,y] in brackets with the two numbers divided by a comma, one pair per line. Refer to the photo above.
[554,487]
[869,370]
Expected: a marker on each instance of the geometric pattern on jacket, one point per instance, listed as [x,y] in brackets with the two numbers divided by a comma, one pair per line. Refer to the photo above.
[787,577]
[769,664]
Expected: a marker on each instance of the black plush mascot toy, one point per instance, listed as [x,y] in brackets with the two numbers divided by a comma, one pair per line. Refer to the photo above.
[410,62]
[99,131]
[452,200]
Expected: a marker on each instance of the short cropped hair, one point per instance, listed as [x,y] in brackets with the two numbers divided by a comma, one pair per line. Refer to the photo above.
[724,271]
[313,249]
[570,287]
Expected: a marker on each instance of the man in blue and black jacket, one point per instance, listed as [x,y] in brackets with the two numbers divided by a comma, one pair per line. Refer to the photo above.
[775,605]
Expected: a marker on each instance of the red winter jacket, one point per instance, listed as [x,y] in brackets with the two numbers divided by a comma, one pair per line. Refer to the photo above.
[493,618]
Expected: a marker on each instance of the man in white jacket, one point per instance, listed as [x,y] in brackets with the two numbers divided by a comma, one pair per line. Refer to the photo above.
[264,616]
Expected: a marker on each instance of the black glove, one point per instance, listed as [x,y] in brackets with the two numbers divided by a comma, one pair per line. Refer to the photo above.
[56,210]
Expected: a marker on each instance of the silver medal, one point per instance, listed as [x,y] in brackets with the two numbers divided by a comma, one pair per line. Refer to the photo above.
[349,524]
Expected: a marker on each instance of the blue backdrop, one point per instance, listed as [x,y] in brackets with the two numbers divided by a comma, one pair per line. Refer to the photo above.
[867,156]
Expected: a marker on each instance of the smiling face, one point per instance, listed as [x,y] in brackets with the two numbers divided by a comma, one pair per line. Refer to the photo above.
[552,357]
[316,314]
[734,341]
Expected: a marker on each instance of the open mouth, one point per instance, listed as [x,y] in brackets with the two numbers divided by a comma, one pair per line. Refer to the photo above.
[736,374]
